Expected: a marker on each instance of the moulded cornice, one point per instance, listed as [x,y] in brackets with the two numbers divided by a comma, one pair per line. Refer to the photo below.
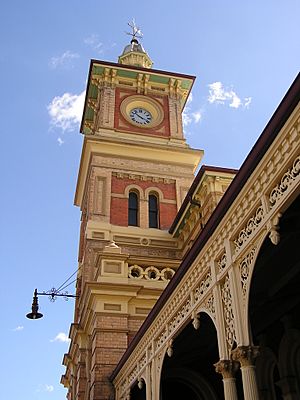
[128,149]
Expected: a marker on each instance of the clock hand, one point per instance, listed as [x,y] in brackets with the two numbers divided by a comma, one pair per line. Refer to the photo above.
[144,119]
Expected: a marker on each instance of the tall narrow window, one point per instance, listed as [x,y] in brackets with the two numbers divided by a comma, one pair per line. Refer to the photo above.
[153,211]
[133,209]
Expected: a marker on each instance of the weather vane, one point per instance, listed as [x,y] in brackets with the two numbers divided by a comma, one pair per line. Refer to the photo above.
[136,31]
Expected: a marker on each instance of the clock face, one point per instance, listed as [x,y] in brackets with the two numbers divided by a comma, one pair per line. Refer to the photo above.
[140,116]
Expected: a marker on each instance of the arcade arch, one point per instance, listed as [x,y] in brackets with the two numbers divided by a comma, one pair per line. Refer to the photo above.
[274,309]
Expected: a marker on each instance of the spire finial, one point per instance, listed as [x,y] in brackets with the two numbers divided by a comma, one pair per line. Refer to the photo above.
[136,31]
[134,53]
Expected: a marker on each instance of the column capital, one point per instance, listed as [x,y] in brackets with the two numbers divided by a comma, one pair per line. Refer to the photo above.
[245,355]
[227,368]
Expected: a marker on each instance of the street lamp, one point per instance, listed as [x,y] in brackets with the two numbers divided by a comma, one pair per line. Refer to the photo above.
[52,294]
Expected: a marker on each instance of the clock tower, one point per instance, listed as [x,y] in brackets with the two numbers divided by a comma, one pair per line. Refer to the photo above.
[135,171]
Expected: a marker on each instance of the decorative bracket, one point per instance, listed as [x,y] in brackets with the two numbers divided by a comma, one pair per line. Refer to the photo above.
[140,383]
[273,227]
[196,320]
[170,348]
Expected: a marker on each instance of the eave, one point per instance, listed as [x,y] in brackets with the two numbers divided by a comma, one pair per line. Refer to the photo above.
[193,190]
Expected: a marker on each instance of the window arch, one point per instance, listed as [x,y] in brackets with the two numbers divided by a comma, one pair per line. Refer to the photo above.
[133,209]
[153,211]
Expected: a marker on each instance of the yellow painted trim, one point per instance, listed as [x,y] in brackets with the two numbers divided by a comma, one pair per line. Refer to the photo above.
[169,155]
[147,103]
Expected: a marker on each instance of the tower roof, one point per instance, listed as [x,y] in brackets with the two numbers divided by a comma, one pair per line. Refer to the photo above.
[134,54]
[134,46]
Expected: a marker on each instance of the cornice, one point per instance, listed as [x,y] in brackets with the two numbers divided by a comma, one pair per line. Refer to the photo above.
[128,149]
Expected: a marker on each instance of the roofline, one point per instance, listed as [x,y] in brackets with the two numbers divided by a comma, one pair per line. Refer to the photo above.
[149,70]
[86,96]
[129,67]
[193,187]
[278,119]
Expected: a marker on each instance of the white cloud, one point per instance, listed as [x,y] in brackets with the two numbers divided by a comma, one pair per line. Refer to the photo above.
[247,102]
[60,141]
[216,93]
[45,388]
[220,95]
[94,42]
[190,98]
[197,116]
[235,100]
[64,60]
[49,388]
[61,337]
[66,111]
[18,328]
[188,116]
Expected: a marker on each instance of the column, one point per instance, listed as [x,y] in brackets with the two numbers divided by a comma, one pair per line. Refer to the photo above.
[246,355]
[148,382]
[228,368]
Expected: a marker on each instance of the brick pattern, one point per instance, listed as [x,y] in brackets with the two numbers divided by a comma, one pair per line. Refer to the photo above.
[110,340]
[134,325]
[118,186]
[82,235]
[167,213]
[119,212]
[119,206]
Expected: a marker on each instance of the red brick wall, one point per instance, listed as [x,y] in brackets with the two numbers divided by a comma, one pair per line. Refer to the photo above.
[119,206]
[118,186]
[167,213]
[109,342]
[119,211]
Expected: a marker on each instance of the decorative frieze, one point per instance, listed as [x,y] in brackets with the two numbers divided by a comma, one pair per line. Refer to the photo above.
[244,268]
[287,180]
[180,316]
[203,287]
[137,177]
[251,226]
[150,273]
[221,263]
[228,313]
[209,304]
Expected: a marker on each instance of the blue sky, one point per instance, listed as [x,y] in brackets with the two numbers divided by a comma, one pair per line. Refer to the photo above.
[245,55]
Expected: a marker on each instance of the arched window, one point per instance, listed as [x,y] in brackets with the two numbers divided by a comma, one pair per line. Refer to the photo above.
[133,209]
[153,211]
